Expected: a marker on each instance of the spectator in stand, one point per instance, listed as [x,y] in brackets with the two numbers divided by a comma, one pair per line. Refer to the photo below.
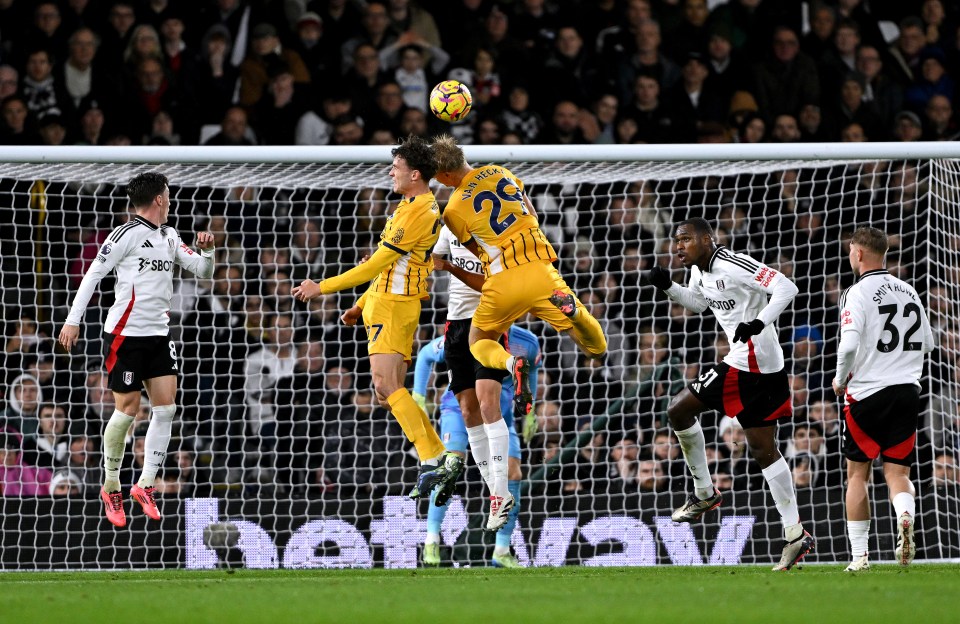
[569,72]
[82,78]
[92,122]
[38,87]
[16,477]
[946,471]
[564,128]
[263,368]
[23,403]
[933,80]
[114,39]
[839,60]
[279,111]
[216,76]
[408,18]
[144,44]
[152,92]
[940,124]
[233,129]
[785,129]
[49,448]
[655,123]
[886,94]
[853,133]
[84,463]
[805,470]
[181,60]
[729,73]
[666,450]
[604,109]
[905,53]
[50,127]
[788,79]
[693,100]
[363,78]
[647,61]
[752,129]
[907,127]
[496,37]
[376,33]
[823,21]
[623,460]
[651,477]
[413,121]
[315,127]
[519,117]
[9,81]
[318,48]
[267,58]
[48,31]
[851,108]
[617,43]
[96,406]
[65,483]
[411,72]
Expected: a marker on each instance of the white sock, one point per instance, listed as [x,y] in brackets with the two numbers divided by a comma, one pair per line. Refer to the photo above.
[510,362]
[904,502]
[859,533]
[501,550]
[480,450]
[114,445]
[498,437]
[433,538]
[784,496]
[695,454]
[157,440]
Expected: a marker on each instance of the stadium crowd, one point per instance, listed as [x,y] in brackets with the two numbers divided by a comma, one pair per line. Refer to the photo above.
[276,395]
[345,72]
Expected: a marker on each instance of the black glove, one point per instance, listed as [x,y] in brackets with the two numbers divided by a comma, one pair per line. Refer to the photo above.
[746,330]
[660,278]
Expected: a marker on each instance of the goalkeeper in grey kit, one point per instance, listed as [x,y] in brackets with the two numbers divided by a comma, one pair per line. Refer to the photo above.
[750,384]
[137,349]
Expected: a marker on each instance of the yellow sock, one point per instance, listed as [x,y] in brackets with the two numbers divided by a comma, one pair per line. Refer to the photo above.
[588,333]
[490,353]
[415,424]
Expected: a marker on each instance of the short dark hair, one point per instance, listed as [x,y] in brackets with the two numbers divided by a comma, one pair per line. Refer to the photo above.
[419,155]
[700,226]
[872,239]
[143,188]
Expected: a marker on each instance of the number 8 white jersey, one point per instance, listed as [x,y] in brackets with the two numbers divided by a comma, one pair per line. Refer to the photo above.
[883,318]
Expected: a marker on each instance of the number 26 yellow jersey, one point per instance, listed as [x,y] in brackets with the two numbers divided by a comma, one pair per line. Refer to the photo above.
[488,207]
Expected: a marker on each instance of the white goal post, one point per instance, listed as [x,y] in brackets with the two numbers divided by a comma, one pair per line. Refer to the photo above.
[294,466]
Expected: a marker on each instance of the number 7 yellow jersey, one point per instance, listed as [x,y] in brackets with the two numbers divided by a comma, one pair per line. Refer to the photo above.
[411,231]
[488,207]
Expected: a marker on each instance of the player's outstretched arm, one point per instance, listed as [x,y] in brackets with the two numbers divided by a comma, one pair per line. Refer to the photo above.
[381,259]
[659,278]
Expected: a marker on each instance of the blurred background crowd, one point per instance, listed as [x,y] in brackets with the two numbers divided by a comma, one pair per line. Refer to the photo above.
[346,72]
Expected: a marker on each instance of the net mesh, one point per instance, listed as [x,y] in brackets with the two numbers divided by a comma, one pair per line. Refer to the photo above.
[281,457]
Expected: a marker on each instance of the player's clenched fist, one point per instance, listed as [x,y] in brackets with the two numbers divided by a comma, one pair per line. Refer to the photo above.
[307,290]
[351,316]
[659,278]
[204,240]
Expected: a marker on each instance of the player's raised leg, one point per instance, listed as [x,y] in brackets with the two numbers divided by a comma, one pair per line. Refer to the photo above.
[586,331]
[682,412]
[858,514]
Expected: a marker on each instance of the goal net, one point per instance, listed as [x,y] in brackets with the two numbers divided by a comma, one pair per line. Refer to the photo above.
[281,456]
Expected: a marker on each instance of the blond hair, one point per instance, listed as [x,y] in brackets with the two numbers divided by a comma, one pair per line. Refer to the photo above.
[448,155]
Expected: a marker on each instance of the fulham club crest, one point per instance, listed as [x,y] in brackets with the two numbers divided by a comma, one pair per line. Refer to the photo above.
[128,378]
[720,285]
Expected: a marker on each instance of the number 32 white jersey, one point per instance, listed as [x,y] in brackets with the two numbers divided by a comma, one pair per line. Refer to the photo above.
[883,318]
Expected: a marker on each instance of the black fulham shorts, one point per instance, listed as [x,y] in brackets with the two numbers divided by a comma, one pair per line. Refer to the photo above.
[464,369]
[130,360]
[754,399]
[884,423]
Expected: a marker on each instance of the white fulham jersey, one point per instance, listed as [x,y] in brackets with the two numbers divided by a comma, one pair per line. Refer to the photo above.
[735,287]
[143,256]
[884,334]
[463,299]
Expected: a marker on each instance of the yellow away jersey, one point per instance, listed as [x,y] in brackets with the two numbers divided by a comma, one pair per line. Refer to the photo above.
[412,230]
[488,207]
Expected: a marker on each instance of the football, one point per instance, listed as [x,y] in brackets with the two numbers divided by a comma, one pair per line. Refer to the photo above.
[451,100]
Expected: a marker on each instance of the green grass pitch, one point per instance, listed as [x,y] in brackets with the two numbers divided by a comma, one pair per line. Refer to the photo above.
[815,594]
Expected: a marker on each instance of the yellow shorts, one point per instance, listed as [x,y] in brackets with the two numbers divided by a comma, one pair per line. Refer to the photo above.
[391,324]
[508,295]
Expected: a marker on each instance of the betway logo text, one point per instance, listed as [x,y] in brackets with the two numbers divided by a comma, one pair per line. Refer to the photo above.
[401,531]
